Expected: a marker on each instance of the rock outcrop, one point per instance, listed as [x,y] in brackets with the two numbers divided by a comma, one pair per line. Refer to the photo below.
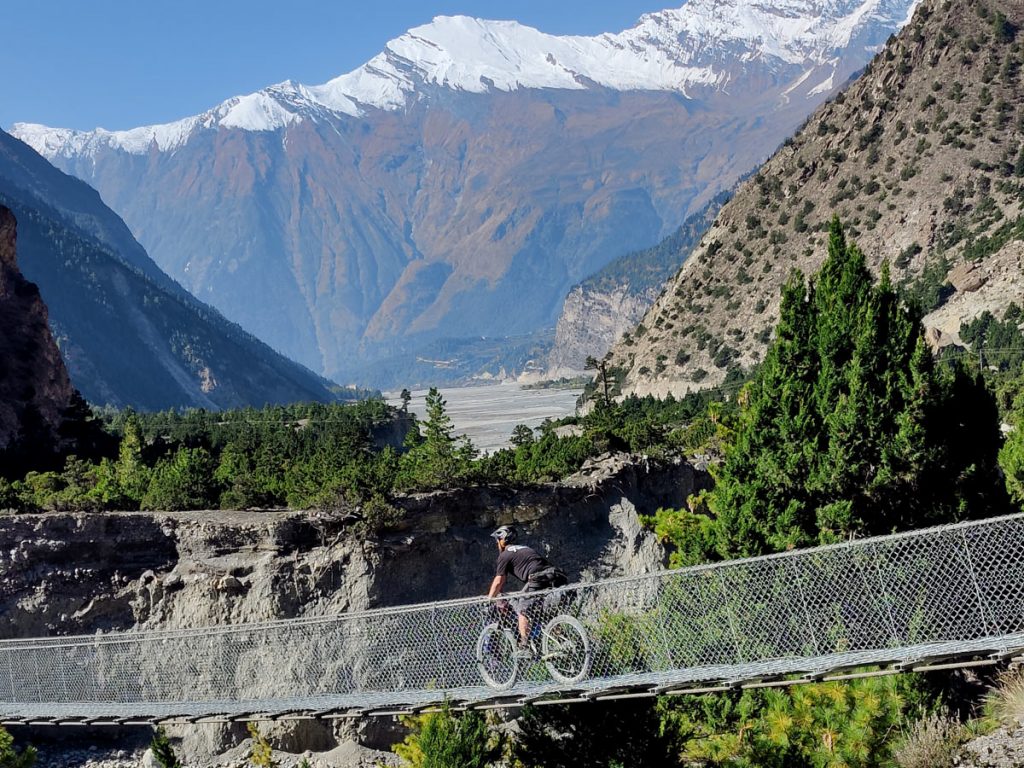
[79,573]
[591,321]
[34,386]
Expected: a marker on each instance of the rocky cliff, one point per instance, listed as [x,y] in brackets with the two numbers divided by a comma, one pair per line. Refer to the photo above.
[35,390]
[598,311]
[920,158]
[79,573]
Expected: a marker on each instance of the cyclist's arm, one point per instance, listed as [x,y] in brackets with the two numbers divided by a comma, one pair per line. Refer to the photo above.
[496,586]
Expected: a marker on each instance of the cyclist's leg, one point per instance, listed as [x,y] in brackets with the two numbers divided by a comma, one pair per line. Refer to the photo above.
[525,606]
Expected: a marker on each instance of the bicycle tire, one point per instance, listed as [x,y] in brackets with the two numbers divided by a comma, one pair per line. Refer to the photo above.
[565,649]
[496,657]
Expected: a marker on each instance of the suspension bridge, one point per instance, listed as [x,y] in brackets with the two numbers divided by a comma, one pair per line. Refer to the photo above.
[930,599]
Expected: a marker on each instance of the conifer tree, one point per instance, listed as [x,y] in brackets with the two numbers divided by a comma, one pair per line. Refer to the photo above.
[131,471]
[1011,457]
[448,740]
[849,427]
[163,753]
[438,459]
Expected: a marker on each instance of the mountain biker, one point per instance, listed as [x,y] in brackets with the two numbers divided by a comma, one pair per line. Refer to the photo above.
[530,568]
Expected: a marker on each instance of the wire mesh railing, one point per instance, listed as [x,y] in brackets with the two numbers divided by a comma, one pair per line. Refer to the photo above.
[939,592]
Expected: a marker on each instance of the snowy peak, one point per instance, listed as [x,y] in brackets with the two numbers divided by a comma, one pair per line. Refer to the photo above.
[699,44]
[793,31]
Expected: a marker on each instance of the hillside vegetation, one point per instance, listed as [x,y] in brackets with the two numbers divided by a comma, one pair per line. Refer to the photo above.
[922,158]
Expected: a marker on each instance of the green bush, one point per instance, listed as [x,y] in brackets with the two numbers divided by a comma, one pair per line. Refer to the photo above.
[447,739]
[10,757]
[163,753]
[182,481]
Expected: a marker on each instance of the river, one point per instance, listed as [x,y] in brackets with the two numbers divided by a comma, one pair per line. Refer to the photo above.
[487,414]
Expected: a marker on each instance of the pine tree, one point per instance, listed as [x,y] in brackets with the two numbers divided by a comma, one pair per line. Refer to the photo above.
[439,459]
[1011,459]
[446,740]
[849,428]
[261,754]
[163,753]
[131,471]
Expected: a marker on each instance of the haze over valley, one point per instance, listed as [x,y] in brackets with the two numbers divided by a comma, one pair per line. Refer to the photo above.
[709,324]
[460,183]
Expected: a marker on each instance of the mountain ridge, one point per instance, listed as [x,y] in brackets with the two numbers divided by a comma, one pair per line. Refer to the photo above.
[921,159]
[668,50]
[466,213]
[128,333]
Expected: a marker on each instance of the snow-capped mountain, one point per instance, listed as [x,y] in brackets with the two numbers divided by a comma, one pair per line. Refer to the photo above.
[467,160]
[672,50]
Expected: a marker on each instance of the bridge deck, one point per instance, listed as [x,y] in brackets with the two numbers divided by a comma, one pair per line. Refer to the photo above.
[950,595]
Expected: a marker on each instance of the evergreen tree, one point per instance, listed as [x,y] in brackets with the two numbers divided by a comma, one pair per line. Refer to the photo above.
[183,481]
[261,754]
[1011,457]
[848,427]
[163,753]
[132,474]
[437,460]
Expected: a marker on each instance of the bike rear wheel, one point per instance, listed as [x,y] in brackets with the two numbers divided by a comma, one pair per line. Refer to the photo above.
[496,657]
[565,649]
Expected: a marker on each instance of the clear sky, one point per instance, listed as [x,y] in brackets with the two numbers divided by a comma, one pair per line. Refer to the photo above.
[124,63]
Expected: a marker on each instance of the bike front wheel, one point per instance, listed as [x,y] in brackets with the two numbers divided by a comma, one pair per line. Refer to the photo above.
[565,649]
[496,657]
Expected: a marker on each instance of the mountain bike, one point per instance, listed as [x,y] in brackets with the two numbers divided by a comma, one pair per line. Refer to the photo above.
[557,639]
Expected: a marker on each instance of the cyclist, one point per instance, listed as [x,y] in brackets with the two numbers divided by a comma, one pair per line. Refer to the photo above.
[530,568]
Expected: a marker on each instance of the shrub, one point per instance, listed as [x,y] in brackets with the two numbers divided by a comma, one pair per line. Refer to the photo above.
[1005,703]
[163,753]
[446,740]
[10,758]
[261,754]
[930,743]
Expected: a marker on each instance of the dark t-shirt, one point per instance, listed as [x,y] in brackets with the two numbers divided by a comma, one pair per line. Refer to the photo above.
[521,561]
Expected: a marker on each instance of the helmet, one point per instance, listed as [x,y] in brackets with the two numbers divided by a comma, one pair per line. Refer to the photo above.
[505,533]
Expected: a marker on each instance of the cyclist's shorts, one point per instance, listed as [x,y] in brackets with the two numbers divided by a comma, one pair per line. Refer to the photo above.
[546,579]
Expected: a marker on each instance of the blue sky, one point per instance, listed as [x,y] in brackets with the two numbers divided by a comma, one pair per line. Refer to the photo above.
[123,63]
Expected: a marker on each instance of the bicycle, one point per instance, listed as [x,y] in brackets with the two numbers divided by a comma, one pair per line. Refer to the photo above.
[564,646]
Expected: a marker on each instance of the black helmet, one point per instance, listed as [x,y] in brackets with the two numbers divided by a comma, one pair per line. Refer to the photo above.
[506,533]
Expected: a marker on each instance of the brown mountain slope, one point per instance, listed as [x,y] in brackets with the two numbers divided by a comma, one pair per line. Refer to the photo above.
[921,158]
[35,389]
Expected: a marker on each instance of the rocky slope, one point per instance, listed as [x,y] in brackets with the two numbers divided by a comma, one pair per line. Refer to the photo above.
[604,306]
[461,182]
[921,158]
[35,391]
[79,573]
[128,333]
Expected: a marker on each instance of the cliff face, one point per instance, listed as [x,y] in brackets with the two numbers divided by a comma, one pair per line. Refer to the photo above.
[78,573]
[591,321]
[34,386]
[598,311]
